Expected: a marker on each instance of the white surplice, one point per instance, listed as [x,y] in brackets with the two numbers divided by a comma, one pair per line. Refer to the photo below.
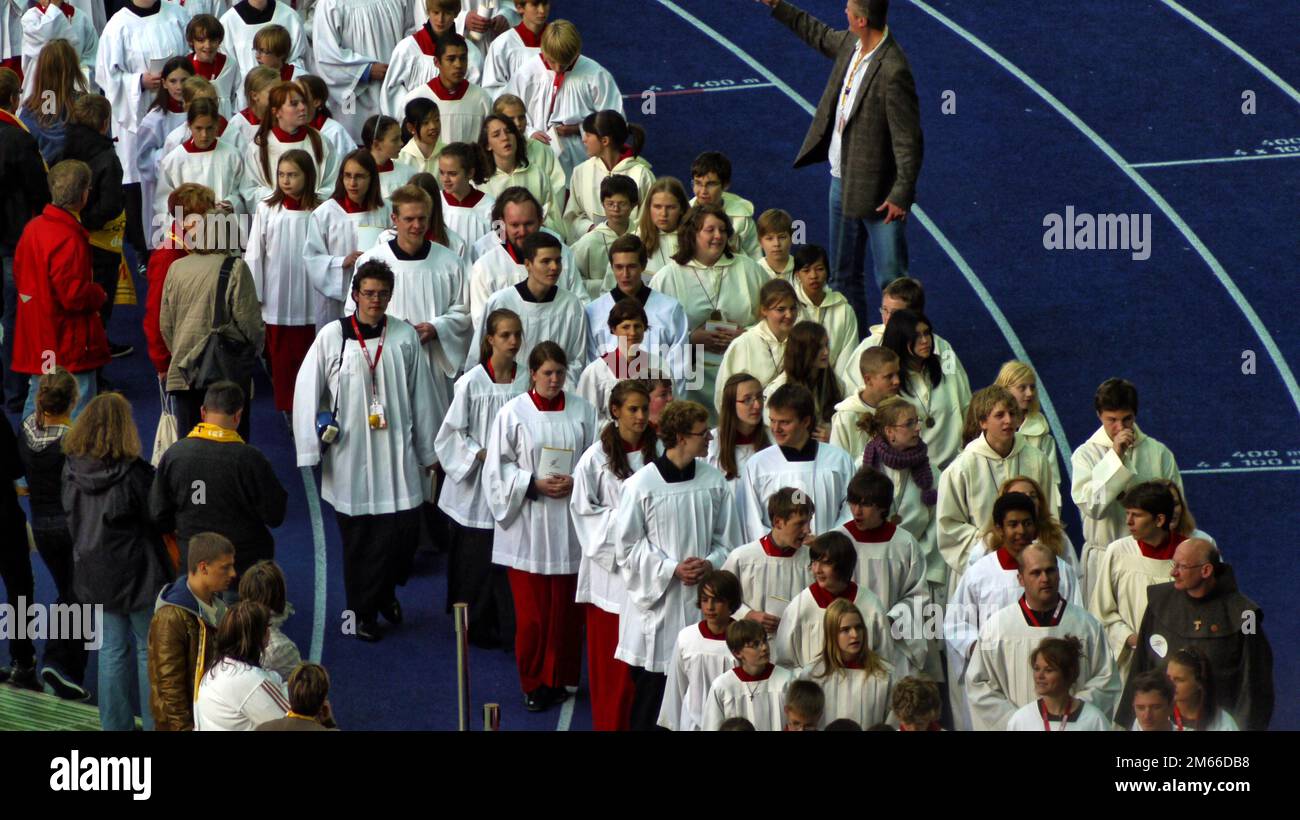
[770,578]
[560,320]
[1119,593]
[760,701]
[552,101]
[153,131]
[347,37]
[508,50]
[596,493]
[463,434]
[238,43]
[331,236]
[495,268]
[892,565]
[865,698]
[1088,718]
[470,218]
[412,65]
[275,257]
[699,657]
[585,209]
[825,480]
[801,635]
[460,110]
[220,168]
[260,182]
[41,25]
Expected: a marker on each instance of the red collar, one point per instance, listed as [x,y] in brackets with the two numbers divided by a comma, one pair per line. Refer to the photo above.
[5,116]
[386,167]
[66,8]
[748,678]
[627,154]
[207,71]
[252,118]
[348,206]
[824,598]
[630,447]
[714,636]
[319,121]
[879,535]
[286,72]
[1165,552]
[492,374]
[510,249]
[554,405]
[769,546]
[471,199]
[530,40]
[742,439]
[426,40]
[291,204]
[190,147]
[1053,618]
[1005,560]
[285,136]
[222,122]
[442,92]
[174,106]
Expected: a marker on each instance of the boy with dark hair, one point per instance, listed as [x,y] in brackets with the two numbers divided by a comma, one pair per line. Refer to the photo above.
[1153,702]
[619,197]
[205,34]
[415,61]
[774,569]
[309,706]
[754,689]
[701,653]
[667,331]
[462,105]
[711,180]
[804,704]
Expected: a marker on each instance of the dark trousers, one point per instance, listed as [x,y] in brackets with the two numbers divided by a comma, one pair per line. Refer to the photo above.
[16,572]
[15,384]
[373,550]
[648,698]
[55,546]
[137,233]
[473,579]
[104,267]
[189,404]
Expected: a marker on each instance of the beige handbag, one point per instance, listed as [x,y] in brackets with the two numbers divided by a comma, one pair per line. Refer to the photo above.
[166,435]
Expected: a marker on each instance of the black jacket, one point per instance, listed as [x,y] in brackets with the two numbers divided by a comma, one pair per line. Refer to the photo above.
[42,453]
[25,191]
[96,150]
[119,555]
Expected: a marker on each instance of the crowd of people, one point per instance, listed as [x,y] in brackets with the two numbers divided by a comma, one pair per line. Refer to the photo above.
[634,419]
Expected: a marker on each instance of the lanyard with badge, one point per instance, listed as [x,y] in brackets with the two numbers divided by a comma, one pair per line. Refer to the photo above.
[847,94]
[377,419]
[1047,726]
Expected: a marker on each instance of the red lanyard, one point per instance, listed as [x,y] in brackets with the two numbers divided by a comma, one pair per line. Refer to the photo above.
[1047,727]
[1029,613]
[1178,719]
[374,389]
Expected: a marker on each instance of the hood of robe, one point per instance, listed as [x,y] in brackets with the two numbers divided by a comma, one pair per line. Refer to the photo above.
[626,164]
[981,448]
[833,297]
[1035,424]
[733,205]
[853,404]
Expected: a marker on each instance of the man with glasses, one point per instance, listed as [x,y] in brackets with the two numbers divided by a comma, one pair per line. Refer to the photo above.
[904,293]
[1201,608]
[355,412]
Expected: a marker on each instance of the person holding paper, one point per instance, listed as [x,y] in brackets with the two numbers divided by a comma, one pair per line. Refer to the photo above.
[532,449]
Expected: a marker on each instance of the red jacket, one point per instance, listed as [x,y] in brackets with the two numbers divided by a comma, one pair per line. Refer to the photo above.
[159,262]
[58,300]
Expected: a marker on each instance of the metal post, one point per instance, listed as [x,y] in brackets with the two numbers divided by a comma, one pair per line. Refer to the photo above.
[491,717]
[460,614]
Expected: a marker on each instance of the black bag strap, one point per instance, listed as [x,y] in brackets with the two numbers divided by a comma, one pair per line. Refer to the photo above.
[223,280]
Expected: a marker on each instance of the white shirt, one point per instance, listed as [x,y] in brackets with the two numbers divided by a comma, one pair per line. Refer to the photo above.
[236,697]
[854,80]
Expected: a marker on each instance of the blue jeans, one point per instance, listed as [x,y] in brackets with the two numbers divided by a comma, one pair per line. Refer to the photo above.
[87,388]
[848,252]
[121,631]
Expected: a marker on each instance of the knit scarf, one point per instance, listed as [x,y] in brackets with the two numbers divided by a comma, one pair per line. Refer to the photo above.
[916,459]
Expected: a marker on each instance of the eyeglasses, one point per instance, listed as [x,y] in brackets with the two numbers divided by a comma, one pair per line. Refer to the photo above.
[758,644]
[911,424]
[379,295]
[707,435]
[758,399]
[1177,567]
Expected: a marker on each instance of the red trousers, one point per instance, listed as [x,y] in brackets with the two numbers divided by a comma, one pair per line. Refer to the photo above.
[286,347]
[548,629]
[609,678]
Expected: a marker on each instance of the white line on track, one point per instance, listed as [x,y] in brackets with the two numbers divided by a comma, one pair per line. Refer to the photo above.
[679,92]
[1284,370]
[1208,160]
[1223,39]
[566,713]
[318,549]
[1007,332]
[1214,470]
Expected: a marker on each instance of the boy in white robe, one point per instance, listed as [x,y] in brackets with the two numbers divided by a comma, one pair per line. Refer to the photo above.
[56,20]
[414,62]
[244,20]
[618,196]
[822,471]
[999,678]
[675,522]
[205,34]
[666,331]
[774,228]
[353,41]
[754,689]
[205,159]
[373,472]
[513,46]
[1118,456]
[991,583]
[801,633]
[711,180]
[462,105]
[774,569]
[819,303]
[560,88]
[700,654]
[585,209]
[1133,563]
[880,380]
[970,484]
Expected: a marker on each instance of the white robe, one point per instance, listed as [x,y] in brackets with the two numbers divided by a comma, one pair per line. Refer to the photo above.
[985,588]
[347,37]
[127,45]
[895,571]
[280,271]
[698,660]
[1100,477]
[586,89]
[1000,678]
[494,268]
[225,83]
[464,432]
[153,131]
[731,286]
[768,583]
[741,213]
[539,179]
[596,493]
[504,55]
[240,132]
[331,236]
[238,43]
[471,222]
[220,169]
[591,254]
[484,8]
[461,114]
[845,432]
[1119,594]
[744,452]
[1029,718]
[534,536]
[339,139]
[599,379]
[365,471]
[430,290]
[666,335]
[40,26]
[825,480]
[853,694]
[560,320]
[584,209]
[1037,432]
[399,175]
[837,316]
[411,66]
[258,185]
[657,260]
[801,636]
[413,155]
[762,703]
[658,525]
[786,273]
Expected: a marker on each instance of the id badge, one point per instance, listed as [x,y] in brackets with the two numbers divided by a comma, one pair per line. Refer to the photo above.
[377,419]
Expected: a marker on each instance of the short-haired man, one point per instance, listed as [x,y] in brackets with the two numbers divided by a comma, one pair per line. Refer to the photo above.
[309,706]
[1153,702]
[775,568]
[1000,677]
[1132,564]
[211,481]
[1117,457]
[547,310]
[377,441]
[183,632]
[1202,608]
[58,300]
[666,333]
[879,370]
[822,471]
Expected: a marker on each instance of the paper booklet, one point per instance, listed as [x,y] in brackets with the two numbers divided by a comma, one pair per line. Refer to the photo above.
[714,325]
[156,65]
[776,605]
[555,461]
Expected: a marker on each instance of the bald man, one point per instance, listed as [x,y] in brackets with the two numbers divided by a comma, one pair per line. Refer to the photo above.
[1202,608]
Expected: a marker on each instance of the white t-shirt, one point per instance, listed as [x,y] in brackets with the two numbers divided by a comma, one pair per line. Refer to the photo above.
[237,697]
[853,81]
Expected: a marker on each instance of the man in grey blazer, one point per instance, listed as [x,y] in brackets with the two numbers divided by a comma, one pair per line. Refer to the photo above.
[868,127]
